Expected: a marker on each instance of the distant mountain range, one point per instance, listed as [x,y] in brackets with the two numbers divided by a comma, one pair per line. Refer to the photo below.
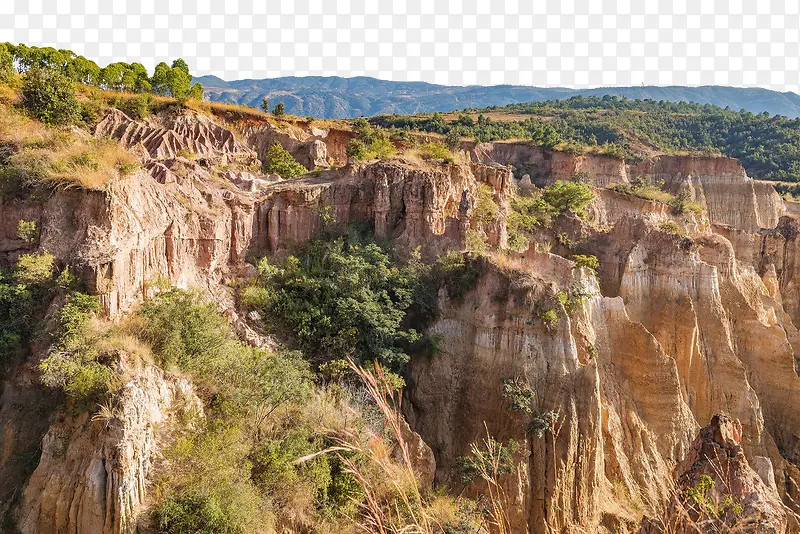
[336,97]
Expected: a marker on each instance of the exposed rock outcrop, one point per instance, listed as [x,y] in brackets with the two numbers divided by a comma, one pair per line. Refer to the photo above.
[93,472]
[164,137]
[720,184]
[312,147]
[407,203]
[718,490]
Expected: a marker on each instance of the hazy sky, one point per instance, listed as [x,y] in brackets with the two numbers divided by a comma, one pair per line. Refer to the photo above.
[573,43]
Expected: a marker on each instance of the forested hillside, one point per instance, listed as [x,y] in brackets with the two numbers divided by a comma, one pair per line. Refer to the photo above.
[768,145]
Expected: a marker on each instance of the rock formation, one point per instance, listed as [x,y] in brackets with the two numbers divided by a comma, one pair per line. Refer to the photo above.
[719,491]
[93,472]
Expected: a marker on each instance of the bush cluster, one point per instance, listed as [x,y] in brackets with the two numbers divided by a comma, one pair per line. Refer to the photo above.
[537,210]
[279,161]
[369,143]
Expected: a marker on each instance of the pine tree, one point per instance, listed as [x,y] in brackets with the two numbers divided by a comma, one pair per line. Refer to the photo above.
[278,110]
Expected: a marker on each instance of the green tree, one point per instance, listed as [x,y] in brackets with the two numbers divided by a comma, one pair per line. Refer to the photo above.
[196,91]
[83,70]
[568,196]
[113,76]
[279,161]
[279,110]
[452,139]
[50,96]
[141,80]
[265,105]
[6,63]
[159,82]
[180,64]
[179,82]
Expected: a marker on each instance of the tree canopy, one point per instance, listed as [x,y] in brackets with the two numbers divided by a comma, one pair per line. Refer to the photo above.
[175,81]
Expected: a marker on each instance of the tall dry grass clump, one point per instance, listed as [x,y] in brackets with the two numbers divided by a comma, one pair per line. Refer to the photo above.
[63,161]
[393,501]
[36,154]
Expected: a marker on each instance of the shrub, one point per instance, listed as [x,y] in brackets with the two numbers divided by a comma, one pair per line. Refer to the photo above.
[35,268]
[74,314]
[489,460]
[549,318]
[568,197]
[526,214]
[185,331]
[681,204]
[27,231]
[486,209]
[75,366]
[279,161]
[138,107]
[279,110]
[19,302]
[640,188]
[518,393]
[275,471]
[671,227]
[457,273]
[342,298]
[475,243]
[50,96]
[433,150]
[452,139]
[79,375]
[254,297]
[589,262]
[543,423]
[369,142]
[191,512]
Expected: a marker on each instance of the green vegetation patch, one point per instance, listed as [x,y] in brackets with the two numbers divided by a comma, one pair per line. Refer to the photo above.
[279,161]
[370,142]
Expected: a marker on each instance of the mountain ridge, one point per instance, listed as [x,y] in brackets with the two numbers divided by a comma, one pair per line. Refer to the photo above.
[340,97]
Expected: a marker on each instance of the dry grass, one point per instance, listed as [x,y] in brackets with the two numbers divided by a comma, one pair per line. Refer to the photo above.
[393,501]
[58,157]
[70,162]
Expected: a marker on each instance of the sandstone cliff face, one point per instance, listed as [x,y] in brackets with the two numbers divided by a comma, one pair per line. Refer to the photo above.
[123,238]
[411,205]
[93,473]
[684,331]
[546,166]
[719,184]
[604,375]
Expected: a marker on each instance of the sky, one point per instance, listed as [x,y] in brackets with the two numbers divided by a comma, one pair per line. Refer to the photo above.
[566,43]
